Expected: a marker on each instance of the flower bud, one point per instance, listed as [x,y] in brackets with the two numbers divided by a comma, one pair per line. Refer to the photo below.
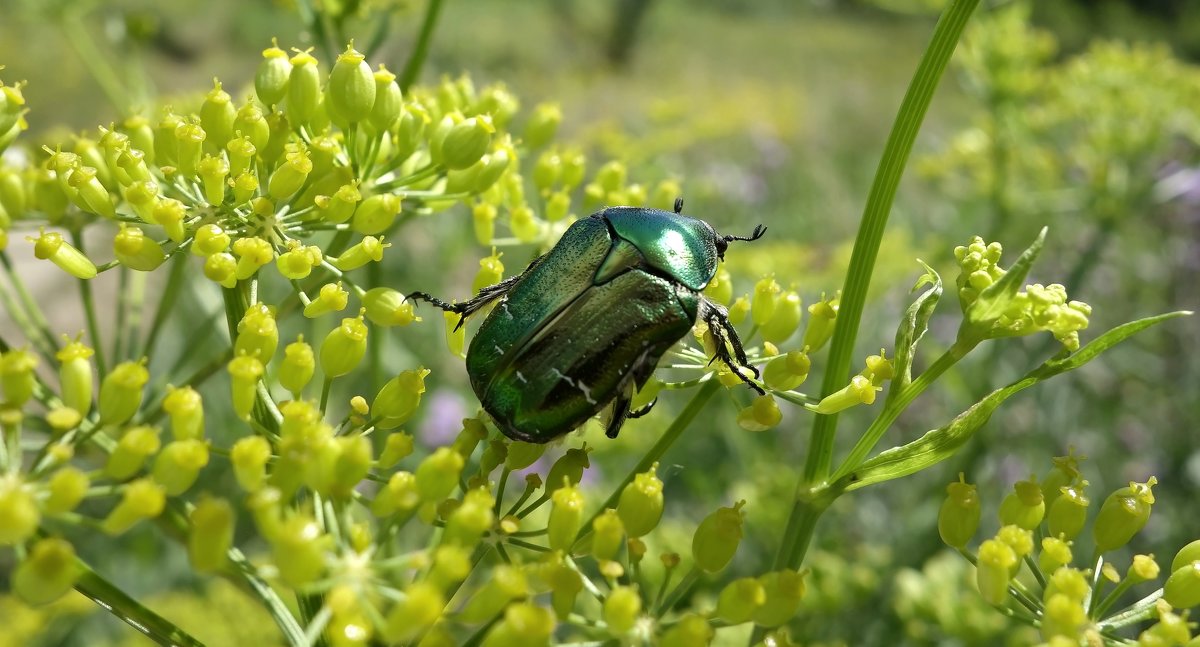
[217,115]
[762,414]
[92,196]
[421,607]
[344,347]
[399,398]
[298,366]
[959,515]
[331,298]
[213,172]
[17,376]
[387,307]
[622,608]
[859,391]
[271,79]
[483,217]
[996,562]
[222,269]
[66,488]
[50,245]
[376,214]
[142,499]
[456,333]
[340,206]
[389,101]
[542,125]
[210,239]
[641,504]
[522,454]
[400,493]
[351,466]
[785,319]
[170,213]
[466,525]
[1186,555]
[1123,515]
[717,538]
[47,573]
[822,318]
[1024,506]
[524,624]
[130,454]
[298,261]
[740,599]
[211,534]
[143,196]
[1017,538]
[466,142]
[19,516]
[437,475]
[178,465]
[121,392]
[397,447]
[691,630]
[569,466]
[244,373]
[189,142]
[1182,589]
[1063,616]
[298,550]
[249,456]
[137,252]
[788,371]
[253,253]
[783,591]
[766,300]
[290,176]
[566,517]
[257,334]
[369,250]
[608,532]
[351,87]
[1143,569]
[505,584]
[1068,514]
[303,89]
[1055,553]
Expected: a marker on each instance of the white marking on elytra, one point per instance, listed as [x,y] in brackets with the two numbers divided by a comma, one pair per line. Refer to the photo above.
[504,307]
[522,378]
[499,351]
[586,391]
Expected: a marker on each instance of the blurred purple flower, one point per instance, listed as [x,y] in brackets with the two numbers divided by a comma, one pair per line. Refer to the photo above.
[444,413]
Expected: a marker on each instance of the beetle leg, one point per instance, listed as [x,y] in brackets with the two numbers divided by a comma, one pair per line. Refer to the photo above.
[619,413]
[726,336]
[479,301]
[642,411]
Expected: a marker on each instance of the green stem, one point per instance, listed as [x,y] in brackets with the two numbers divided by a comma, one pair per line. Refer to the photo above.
[412,68]
[797,534]
[703,394]
[120,316]
[89,309]
[685,586]
[116,602]
[34,313]
[807,510]
[1143,609]
[166,303]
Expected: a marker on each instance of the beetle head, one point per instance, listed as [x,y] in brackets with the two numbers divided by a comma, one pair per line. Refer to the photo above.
[723,241]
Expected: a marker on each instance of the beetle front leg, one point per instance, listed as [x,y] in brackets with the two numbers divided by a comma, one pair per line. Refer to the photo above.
[480,300]
[726,336]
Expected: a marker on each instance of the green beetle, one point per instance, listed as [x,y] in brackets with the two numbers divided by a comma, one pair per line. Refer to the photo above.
[586,323]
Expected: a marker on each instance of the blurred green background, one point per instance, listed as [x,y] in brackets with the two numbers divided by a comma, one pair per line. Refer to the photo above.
[1082,116]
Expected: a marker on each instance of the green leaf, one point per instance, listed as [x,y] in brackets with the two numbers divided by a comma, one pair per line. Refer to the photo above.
[994,299]
[118,603]
[913,326]
[939,444]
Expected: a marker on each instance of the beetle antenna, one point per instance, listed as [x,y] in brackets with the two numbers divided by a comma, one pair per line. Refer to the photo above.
[759,230]
[679,204]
